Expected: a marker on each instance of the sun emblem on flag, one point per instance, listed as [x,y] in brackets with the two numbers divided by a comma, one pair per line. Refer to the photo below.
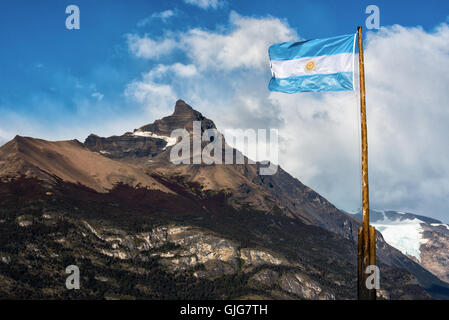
[310,66]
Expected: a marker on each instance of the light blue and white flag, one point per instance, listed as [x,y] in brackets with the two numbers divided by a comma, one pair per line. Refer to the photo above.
[313,65]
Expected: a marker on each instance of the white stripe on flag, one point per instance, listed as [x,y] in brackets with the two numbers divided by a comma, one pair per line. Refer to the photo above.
[341,62]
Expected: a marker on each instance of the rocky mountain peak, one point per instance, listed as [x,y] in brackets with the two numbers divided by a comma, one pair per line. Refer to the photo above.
[182,108]
[182,118]
[151,139]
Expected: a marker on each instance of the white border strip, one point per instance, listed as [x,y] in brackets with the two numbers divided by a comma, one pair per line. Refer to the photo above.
[327,64]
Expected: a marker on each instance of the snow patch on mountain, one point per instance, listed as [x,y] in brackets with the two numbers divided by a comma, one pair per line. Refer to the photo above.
[170,141]
[405,235]
[440,224]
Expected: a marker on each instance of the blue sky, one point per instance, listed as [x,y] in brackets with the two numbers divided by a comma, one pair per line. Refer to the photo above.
[131,60]
[42,60]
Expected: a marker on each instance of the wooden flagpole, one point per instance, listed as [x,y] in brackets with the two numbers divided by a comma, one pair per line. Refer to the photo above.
[366,237]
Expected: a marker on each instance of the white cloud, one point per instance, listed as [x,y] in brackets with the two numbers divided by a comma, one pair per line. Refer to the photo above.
[183,70]
[408,117]
[157,98]
[163,16]
[407,101]
[177,69]
[76,128]
[99,96]
[242,47]
[320,143]
[245,46]
[4,137]
[206,4]
[145,47]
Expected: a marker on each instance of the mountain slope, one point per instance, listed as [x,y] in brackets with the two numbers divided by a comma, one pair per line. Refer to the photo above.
[69,161]
[276,194]
[142,243]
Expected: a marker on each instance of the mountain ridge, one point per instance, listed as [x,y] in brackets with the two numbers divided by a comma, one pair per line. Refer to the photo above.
[68,160]
[142,159]
[286,194]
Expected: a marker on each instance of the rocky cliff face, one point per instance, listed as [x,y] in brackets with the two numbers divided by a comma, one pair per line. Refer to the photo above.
[127,247]
[125,146]
[435,250]
[212,257]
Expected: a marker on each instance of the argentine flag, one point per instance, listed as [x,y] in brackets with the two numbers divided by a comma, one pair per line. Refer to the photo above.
[313,65]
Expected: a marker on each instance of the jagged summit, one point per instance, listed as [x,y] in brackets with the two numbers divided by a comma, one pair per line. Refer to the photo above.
[182,118]
[150,139]
[181,107]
